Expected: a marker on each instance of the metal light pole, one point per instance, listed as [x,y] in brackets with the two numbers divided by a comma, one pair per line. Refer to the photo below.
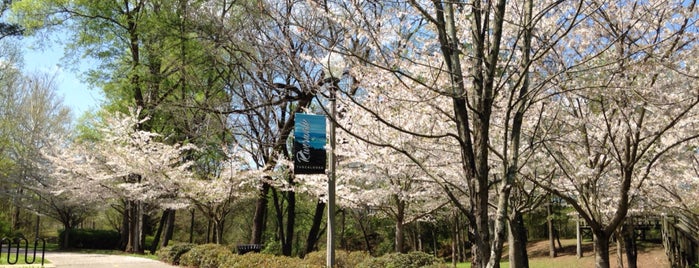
[330,261]
[333,64]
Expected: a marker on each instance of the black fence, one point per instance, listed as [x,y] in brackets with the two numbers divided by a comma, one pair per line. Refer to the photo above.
[15,247]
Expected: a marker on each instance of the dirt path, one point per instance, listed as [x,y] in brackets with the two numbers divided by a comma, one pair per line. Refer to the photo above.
[649,255]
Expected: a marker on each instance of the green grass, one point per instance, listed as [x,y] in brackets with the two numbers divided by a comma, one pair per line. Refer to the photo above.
[3,259]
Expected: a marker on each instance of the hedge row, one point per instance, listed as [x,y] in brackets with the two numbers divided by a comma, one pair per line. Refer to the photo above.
[214,256]
[91,239]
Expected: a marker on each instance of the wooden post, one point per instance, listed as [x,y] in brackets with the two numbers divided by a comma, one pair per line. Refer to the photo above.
[578,236]
[549,217]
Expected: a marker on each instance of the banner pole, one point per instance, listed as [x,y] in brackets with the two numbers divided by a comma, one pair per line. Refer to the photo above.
[331,184]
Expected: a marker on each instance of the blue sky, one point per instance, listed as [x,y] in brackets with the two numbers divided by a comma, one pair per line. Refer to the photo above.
[77,95]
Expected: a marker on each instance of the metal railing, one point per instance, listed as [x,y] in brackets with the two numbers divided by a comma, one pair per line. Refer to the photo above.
[14,245]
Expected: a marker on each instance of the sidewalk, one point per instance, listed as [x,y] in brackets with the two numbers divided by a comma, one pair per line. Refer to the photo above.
[80,260]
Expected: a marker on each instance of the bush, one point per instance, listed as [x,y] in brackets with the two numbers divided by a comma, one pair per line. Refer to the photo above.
[343,259]
[91,239]
[5,228]
[263,260]
[206,256]
[415,259]
[172,254]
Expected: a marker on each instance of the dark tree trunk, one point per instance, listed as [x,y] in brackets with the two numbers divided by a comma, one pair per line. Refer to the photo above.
[601,244]
[313,233]
[400,236]
[258,221]
[629,235]
[66,235]
[290,221]
[518,242]
[169,228]
[124,229]
[131,218]
[156,238]
[191,226]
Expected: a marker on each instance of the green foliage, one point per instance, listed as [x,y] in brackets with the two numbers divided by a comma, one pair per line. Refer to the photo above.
[4,227]
[206,256]
[343,259]
[91,239]
[265,260]
[272,247]
[172,254]
[415,259]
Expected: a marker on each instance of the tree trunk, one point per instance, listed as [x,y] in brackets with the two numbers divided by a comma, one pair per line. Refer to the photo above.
[400,236]
[313,233]
[134,228]
[219,224]
[124,229]
[258,221]
[290,221]
[619,252]
[601,244]
[15,218]
[454,244]
[67,228]
[130,214]
[191,226]
[518,242]
[156,238]
[169,229]
[629,235]
[501,221]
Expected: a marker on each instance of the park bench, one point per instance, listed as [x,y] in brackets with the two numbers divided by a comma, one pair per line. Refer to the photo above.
[245,248]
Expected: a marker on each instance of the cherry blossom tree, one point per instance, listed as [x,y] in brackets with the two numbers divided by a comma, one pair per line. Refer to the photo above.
[629,106]
[216,194]
[383,180]
[125,164]
[463,65]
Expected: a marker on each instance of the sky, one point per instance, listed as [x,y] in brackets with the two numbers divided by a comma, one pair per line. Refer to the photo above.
[76,94]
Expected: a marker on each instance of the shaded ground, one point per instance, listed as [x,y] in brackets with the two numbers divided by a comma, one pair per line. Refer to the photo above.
[649,255]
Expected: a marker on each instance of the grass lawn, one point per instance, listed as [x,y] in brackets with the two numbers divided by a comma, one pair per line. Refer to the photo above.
[3,259]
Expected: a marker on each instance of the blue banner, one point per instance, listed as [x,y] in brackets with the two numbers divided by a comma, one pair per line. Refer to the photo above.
[309,144]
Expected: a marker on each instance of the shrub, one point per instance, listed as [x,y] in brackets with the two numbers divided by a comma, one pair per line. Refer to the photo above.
[206,256]
[5,228]
[263,260]
[415,259]
[343,259]
[172,254]
[91,239]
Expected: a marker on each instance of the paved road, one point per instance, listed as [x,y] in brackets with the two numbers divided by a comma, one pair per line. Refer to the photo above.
[81,260]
